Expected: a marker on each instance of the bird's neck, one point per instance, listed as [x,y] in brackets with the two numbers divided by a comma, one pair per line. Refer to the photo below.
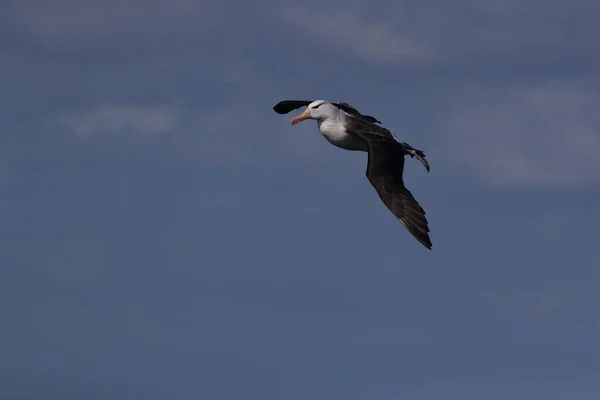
[333,118]
[324,122]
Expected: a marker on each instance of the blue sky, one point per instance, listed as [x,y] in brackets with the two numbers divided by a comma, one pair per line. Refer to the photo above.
[165,234]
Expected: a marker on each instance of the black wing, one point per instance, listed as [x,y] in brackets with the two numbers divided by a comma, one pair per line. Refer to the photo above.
[365,129]
[353,111]
[384,170]
[285,106]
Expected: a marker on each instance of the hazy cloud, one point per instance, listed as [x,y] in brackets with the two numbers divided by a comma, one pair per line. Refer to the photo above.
[114,119]
[436,30]
[77,24]
[344,28]
[532,29]
[528,134]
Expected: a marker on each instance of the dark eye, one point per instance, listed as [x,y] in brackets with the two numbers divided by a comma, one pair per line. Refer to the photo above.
[317,106]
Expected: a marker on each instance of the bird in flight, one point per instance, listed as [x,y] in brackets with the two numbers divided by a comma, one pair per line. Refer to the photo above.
[345,127]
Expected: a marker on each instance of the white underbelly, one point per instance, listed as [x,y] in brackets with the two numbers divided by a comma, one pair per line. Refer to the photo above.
[337,136]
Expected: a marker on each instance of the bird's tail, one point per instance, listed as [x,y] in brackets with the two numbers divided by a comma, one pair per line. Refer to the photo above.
[411,151]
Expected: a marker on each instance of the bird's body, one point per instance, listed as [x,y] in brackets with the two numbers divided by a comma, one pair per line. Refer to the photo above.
[334,130]
[353,131]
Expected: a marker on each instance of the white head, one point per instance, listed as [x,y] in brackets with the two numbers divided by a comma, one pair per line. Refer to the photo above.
[319,110]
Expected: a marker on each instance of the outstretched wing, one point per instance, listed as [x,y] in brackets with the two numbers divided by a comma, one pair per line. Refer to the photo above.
[365,129]
[384,170]
[285,106]
[353,111]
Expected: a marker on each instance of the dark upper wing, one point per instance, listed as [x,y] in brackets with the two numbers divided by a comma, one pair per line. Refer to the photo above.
[353,111]
[384,171]
[285,106]
[365,129]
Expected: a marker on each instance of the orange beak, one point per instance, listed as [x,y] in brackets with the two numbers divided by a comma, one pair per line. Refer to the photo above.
[301,117]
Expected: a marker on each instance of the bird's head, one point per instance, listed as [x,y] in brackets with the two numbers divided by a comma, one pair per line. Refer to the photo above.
[319,110]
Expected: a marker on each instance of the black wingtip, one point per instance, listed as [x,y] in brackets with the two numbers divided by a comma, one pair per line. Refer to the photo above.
[278,108]
[424,240]
[285,106]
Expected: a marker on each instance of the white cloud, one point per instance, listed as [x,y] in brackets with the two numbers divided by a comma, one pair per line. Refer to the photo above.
[115,119]
[538,134]
[437,30]
[344,29]
[231,134]
[381,31]
[530,29]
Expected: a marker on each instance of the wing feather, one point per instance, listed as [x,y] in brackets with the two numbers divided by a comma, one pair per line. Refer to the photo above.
[385,168]
[285,106]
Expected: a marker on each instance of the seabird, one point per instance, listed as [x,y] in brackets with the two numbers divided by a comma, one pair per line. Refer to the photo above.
[285,106]
[351,130]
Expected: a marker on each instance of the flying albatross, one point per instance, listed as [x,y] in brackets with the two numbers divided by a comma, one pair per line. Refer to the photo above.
[345,127]
[285,106]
